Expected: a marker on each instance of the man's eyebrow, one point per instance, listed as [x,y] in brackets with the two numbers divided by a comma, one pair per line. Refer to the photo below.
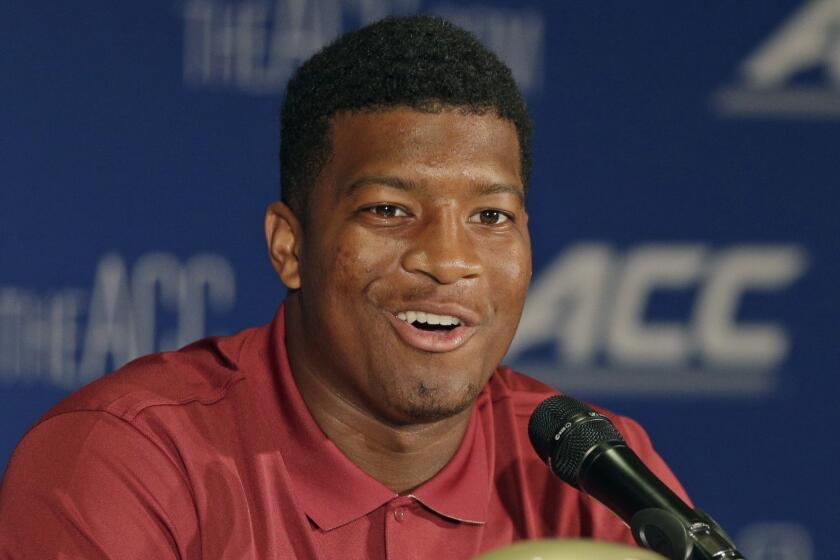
[484,189]
[501,188]
[384,180]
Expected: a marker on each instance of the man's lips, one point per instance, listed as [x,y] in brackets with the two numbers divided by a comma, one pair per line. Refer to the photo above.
[437,340]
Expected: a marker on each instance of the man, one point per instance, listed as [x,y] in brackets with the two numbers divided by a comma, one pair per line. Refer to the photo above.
[370,419]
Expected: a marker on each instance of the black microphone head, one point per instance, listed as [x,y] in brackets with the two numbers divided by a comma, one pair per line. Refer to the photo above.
[562,430]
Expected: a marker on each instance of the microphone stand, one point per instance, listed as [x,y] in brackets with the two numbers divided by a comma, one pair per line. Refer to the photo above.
[664,532]
[660,521]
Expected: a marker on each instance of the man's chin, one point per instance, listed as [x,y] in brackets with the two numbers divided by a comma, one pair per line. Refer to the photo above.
[422,404]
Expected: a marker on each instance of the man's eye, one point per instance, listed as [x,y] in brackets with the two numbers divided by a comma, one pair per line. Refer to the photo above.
[489,217]
[387,211]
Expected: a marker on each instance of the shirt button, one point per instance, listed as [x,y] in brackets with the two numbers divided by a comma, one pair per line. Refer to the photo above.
[399,514]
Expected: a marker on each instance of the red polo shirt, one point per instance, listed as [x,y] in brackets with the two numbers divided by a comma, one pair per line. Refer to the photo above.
[210,452]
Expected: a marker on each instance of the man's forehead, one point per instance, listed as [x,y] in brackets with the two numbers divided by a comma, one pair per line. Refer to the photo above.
[371,142]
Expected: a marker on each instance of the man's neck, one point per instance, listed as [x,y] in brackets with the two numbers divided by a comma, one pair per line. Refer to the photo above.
[400,456]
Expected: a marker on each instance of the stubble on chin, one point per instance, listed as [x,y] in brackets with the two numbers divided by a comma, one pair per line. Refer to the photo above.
[419,402]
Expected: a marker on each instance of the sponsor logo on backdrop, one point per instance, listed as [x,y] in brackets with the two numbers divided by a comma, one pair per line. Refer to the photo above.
[587,322]
[254,46]
[775,540]
[69,337]
[794,71]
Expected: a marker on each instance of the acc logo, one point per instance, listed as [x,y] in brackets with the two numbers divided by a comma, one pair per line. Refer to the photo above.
[590,311]
[769,81]
[254,46]
[70,337]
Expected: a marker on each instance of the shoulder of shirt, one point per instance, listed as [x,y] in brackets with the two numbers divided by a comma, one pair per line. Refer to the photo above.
[203,371]
[524,394]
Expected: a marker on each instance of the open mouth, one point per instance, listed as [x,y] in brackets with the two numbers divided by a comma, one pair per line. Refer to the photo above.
[426,327]
[433,332]
[431,322]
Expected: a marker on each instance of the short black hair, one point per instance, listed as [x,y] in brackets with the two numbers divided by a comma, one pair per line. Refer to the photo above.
[422,62]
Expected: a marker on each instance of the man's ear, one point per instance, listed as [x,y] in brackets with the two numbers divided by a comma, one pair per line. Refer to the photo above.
[284,236]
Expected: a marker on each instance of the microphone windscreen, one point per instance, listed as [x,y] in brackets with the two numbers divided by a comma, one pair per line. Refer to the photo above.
[562,430]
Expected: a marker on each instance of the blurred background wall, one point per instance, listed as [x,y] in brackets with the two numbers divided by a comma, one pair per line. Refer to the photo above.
[684,213]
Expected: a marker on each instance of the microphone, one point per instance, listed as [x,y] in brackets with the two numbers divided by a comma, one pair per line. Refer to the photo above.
[584,449]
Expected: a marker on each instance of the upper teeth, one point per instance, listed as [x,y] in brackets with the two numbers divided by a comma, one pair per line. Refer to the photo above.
[428,318]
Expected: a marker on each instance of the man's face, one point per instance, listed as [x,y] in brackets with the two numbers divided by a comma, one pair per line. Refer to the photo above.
[415,214]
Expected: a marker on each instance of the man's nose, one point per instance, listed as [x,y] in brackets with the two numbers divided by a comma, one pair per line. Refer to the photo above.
[444,250]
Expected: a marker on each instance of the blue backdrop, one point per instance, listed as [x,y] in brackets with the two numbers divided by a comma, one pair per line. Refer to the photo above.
[683,210]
